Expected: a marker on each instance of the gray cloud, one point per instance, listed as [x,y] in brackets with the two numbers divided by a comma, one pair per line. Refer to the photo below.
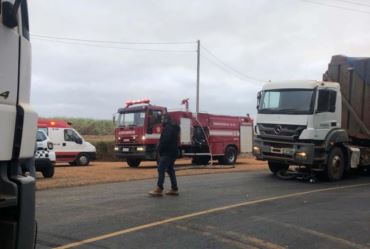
[269,40]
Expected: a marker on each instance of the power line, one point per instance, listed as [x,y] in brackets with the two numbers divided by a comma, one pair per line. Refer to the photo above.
[337,6]
[230,68]
[112,47]
[109,41]
[213,62]
[354,3]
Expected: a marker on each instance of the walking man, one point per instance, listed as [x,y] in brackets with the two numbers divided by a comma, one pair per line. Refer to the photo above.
[168,152]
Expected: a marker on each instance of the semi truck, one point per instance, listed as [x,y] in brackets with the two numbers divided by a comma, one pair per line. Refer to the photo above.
[202,137]
[322,126]
[17,128]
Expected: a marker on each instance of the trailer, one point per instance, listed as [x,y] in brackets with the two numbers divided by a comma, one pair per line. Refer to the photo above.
[202,137]
[322,126]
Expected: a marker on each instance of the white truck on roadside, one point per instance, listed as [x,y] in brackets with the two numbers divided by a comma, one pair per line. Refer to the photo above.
[17,128]
[303,123]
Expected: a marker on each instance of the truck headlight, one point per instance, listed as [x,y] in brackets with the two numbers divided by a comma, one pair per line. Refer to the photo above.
[256,150]
[301,155]
[116,148]
[140,148]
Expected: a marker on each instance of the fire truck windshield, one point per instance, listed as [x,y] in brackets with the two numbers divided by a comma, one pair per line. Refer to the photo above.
[131,119]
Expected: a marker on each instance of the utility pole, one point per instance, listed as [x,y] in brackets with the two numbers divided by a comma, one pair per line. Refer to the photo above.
[198,68]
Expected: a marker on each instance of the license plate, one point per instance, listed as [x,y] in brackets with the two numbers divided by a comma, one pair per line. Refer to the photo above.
[125,149]
[277,150]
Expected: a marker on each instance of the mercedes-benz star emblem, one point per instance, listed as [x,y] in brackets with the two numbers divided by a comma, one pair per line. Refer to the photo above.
[278,130]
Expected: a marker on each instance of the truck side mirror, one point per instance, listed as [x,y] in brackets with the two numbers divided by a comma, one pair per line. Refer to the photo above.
[259,95]
[10,16]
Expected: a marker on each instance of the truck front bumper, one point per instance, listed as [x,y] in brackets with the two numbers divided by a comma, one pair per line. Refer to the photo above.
[292,153]
[144,152]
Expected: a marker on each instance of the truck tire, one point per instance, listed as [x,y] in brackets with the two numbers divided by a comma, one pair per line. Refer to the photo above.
[48,172]
[133,162]
[230,156]
[200,160]
[275,167]
[335,167]
[82,160]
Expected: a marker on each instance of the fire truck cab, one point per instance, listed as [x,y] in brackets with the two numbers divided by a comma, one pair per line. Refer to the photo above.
[202,137]
[69,145]
[138,130]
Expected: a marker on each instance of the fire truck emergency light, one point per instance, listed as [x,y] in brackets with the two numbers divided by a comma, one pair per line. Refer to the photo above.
[136,102]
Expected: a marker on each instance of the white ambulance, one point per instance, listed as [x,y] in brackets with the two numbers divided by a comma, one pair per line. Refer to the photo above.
[69,145]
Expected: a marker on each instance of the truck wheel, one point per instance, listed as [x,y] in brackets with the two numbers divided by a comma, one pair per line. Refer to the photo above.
[133,162]
[48,172]
[230,156]
[335,167]
[82,160]
[275,167]
[200,160]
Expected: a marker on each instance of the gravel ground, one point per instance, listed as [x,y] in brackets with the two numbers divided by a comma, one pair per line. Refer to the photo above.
[104,172]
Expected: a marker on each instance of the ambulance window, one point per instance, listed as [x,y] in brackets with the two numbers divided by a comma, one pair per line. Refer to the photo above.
[44,130]
[70,135]
[40,136]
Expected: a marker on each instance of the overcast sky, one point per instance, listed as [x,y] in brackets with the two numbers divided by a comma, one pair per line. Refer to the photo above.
[264,40]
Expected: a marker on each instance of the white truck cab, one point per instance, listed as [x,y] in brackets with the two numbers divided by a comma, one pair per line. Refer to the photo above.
[296,123]
[17,128]
[69,145]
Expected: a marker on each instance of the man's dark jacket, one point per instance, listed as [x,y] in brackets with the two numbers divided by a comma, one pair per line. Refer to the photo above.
[168,143]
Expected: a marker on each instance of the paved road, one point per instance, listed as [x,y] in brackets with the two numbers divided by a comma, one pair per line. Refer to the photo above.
[234,210]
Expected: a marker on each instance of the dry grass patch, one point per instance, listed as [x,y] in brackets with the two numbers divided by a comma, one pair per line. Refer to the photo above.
[105,172]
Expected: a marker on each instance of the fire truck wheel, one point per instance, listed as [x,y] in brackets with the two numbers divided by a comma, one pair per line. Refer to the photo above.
[48,172]
[275,167]
[335,167]
[82,160]
[230,156]
[133,162]
[200,160]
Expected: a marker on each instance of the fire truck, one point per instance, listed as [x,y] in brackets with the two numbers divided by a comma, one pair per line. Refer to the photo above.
[202,137]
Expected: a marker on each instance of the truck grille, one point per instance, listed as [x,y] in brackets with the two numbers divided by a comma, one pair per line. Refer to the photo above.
[281,131]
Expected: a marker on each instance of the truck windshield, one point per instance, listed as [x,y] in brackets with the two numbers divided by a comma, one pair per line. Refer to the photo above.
[287,101]
[131,119]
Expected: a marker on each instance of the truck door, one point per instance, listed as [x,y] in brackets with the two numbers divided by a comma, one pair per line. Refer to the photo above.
[9,66]
[327,113]
[17,129]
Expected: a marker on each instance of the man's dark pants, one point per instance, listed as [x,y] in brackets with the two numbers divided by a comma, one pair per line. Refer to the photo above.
[166,164]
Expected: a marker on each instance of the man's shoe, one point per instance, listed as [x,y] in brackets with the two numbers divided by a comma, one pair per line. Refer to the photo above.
[156,192]
[174,192]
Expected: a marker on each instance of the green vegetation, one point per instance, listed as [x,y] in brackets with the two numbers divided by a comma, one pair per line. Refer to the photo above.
[86,126]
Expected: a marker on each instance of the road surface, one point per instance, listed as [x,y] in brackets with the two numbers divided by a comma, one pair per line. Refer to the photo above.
[231,210]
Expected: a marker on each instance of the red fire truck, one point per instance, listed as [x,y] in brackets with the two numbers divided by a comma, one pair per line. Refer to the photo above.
[202,137]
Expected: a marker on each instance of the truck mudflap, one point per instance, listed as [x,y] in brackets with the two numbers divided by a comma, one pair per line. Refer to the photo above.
[291,153]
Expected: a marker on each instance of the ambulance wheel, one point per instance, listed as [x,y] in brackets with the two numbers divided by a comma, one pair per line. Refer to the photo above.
[82,160]
[48,172]
[230,156]
[133,162]
[275,167]
[335,168]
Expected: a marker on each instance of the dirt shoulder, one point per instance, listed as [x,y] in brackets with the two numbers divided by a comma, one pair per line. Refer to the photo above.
[106,172]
